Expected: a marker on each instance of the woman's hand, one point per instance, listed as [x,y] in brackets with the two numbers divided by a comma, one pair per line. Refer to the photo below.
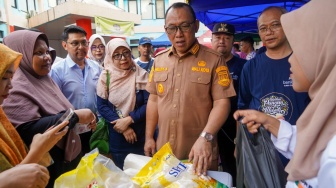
[120,125]
[130,135]
[86,116]
[253,119]
[42,143]
[25,176]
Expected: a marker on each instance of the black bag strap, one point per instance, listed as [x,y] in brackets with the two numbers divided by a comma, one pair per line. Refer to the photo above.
[107,82]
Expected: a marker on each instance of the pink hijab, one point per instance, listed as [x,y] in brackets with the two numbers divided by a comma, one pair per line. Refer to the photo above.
[32,96]
[310,31]
[123,83]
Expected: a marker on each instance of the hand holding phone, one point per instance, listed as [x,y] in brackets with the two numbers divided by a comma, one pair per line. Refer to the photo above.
[65,117]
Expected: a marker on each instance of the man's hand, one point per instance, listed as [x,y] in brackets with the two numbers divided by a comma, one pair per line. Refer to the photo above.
[150,147]
[201,156]
[130,135]
[120,125]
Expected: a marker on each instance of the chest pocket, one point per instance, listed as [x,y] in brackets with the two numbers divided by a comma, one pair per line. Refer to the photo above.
[161,80]
[200,78]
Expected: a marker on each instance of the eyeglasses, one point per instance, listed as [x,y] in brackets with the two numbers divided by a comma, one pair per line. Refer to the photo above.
[126,54]
[100,47]
[172,29]
[77,43]
[273,27]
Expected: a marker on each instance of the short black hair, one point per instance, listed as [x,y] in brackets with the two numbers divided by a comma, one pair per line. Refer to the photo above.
[248,39]
[236,46]
[72,29]
[181,5]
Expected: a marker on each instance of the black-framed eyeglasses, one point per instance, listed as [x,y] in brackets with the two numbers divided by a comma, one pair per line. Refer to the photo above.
[273,27]
[172,29]
[100,47]
[126,54]
[77,43]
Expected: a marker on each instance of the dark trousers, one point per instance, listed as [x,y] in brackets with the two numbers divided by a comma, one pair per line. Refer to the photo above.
[226,147]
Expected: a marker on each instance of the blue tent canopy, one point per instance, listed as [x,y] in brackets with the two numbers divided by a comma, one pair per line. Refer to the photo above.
[161,41]
[243,14]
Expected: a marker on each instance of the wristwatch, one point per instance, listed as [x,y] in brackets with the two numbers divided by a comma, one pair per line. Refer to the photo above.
[208,137]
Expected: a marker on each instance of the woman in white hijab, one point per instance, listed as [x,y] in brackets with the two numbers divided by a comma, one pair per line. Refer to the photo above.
[97,48]
[310,144]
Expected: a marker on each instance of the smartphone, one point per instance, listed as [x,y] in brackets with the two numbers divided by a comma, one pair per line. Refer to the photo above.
[65,117]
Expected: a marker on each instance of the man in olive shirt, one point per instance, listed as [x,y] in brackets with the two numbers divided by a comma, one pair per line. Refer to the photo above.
[189,88]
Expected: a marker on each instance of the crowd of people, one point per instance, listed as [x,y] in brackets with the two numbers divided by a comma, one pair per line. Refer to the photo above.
[189,95]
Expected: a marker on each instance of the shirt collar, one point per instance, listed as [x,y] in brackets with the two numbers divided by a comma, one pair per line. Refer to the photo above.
[71,63]
[194,49]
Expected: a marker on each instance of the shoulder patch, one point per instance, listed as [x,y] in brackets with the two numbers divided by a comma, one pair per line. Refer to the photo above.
[163,51]
[223,76]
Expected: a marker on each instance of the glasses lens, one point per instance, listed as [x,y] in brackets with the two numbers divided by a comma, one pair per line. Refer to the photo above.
[171,29]
[126,54]
[93,48]
[185,27]
[100,46]
[84,43]
[117,56]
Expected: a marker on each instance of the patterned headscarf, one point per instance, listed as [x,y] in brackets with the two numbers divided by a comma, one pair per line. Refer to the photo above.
[12,149]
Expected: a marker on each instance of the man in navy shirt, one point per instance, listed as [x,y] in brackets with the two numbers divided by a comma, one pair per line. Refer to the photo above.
[265,84]
[222,42]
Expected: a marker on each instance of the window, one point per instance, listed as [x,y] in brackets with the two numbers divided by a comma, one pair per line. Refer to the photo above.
[147,9]
[31,5]
[23,6]
[113,2]
[60,2]
[134,41]
[160,9]
[132,6]
[14,3]
[1,36]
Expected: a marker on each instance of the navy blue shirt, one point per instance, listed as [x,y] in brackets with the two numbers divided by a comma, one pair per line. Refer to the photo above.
[265,85]
[117,141]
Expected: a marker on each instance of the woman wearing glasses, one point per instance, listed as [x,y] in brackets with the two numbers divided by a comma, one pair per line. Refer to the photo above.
[124,102]
[97,48]
[36,103]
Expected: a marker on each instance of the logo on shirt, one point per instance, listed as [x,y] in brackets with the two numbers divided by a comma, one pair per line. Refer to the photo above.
[200,69]
[287,83]
[201,63]
[160,69]
[234,76]
[223,76]
[160,88]
[277,105]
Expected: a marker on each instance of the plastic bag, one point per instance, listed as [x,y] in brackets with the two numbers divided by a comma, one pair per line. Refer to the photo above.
[94,170]
[100,137]
[165,170]
[258,162]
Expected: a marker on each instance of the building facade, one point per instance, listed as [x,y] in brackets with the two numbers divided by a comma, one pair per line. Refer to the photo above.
[52,16]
